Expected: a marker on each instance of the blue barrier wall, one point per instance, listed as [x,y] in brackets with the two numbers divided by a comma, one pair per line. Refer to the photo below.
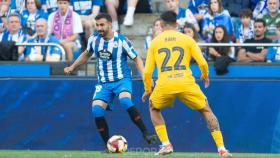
[41,70]
[25,70]
[56,114]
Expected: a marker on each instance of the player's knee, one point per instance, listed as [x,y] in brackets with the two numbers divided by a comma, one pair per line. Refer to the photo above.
[152,108]
[98,111]
[126,103]
[206,110]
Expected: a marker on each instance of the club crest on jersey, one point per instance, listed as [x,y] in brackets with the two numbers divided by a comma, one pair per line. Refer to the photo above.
[105,55]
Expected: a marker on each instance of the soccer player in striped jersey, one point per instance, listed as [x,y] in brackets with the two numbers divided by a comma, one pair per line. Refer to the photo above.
[114,75]
[171,52]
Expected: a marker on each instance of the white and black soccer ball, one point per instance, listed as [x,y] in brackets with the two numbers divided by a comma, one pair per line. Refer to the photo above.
[117,144]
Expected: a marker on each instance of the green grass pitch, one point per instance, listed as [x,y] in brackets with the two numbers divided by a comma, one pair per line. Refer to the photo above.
[96,154]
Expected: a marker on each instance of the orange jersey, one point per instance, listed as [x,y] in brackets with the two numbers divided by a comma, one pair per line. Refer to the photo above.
[171,52]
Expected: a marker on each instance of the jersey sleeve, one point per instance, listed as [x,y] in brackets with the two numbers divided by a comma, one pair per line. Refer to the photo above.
[131,52]
[197,55]
[149,68]
[90,45]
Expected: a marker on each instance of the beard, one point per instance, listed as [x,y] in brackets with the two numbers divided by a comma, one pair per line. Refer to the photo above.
[258,35]
[275,10]
[102,33]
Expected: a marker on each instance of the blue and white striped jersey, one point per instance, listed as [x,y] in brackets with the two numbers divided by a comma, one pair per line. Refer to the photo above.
[111,56]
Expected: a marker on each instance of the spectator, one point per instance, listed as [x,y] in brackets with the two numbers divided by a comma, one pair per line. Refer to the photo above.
[43,53]
[128,19]
[17,6]
[271,18]
[234,7]
[199,8]
[216,16]
[66,25]
[246,29]
[220,35]
[112,6]
[259,9]
[29,16]
[273,53]
[51,5]
[256,53]
[190,31]
[14,33]
[4,13]
[156,30]
[87,9]
[183,15]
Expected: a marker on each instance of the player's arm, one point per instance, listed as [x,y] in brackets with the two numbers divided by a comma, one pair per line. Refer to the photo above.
[202,63]
[81,60]
[139,64]
[148,71]
[83,57]
[147,75]
[132,54]
[200,60]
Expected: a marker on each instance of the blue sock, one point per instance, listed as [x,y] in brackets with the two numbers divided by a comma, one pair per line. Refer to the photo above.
[126,103]
[98,111]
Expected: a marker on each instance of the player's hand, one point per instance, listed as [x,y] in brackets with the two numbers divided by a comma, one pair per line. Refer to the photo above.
[144,96]
[68,70]
[206,81]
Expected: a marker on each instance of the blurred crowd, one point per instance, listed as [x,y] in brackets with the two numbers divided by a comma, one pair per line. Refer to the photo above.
[69,23]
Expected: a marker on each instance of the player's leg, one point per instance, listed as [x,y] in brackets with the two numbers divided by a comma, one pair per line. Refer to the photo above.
[196,100]
[123,89]
[213,125]
[98,110]
[159,101]
[128,105]
[101,98]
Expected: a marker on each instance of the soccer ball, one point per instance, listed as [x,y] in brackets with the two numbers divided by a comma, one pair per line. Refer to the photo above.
[117,144]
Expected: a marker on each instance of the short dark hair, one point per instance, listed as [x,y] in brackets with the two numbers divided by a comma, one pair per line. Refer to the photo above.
[169,17]
[14,15]
[105,16]
[245,13]
[260,21]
